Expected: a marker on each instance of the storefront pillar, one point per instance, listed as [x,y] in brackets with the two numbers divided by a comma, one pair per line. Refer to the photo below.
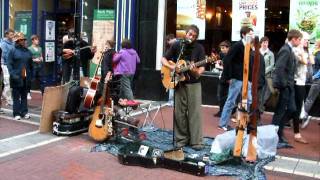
[34,16]
[6,14]
[125,21]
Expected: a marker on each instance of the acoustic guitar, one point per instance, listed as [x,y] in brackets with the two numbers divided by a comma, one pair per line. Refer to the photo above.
[69,53]
[100,128]
[170,78]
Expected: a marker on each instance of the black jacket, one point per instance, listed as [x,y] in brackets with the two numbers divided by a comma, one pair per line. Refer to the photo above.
[283,75]
[233,62]
[19,58]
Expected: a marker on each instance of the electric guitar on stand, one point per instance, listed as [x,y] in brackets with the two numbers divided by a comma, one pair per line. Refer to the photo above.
[170,78]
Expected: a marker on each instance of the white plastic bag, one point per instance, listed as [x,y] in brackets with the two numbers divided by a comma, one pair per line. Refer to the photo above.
[223,142]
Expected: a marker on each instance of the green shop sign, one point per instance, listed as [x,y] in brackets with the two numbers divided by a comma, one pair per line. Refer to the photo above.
[23,22]
[103,14]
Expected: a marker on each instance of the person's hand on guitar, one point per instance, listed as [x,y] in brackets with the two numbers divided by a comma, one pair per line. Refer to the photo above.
[194,70]
[67,53]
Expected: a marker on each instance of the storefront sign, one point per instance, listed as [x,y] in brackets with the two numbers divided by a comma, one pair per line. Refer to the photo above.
[103,30]
[50,30]
[49,52]
[248,13]
[305,16]
[191,12]
[22,23]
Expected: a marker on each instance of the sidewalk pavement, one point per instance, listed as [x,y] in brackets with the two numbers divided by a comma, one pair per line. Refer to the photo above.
[25,153]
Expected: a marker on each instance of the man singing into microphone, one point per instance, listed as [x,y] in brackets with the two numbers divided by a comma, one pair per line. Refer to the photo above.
[187,117]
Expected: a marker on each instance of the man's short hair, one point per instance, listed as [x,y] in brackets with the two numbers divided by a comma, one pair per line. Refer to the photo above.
[126,44]
[194,28]
[265,38]
[225,43]
[293,33]
[245,30]
[34,36]
[8,31]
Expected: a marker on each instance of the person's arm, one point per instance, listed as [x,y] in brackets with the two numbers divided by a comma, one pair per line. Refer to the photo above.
[227,61]
[270,67]
[168,56]
[10,65]
[280,69]
[117,57]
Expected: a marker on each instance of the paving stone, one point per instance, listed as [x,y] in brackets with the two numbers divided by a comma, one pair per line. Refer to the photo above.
[283,165]
[306,168]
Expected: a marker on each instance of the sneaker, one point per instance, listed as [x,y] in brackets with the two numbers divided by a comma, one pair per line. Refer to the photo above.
[27,116]
[306,122]
[29,96]
[17,117]
[225,128]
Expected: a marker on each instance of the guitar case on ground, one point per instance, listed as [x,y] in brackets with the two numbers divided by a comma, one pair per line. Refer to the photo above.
[128,155]
[67,124]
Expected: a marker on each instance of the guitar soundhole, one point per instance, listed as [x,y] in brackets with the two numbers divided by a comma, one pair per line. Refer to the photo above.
[101,116]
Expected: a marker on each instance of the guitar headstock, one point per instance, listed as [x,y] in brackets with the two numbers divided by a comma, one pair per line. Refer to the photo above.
[212,59]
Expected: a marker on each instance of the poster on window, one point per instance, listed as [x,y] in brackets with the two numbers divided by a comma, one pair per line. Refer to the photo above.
[50,30]
[248,13]
[191,12]
[49,52]
[305,16]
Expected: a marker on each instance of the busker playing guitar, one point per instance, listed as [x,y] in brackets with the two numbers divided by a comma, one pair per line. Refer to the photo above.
[187,116]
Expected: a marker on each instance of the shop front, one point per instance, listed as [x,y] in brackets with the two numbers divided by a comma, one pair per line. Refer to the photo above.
[156,19]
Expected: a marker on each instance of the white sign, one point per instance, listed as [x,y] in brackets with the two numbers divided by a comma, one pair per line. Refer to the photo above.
[191,12]
[143,150]
[49,52]
[50,30]
[248,13]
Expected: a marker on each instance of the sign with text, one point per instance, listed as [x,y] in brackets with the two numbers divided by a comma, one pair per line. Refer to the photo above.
[191,12]
[305,16]
[248,13]
[23,22]
[103,30]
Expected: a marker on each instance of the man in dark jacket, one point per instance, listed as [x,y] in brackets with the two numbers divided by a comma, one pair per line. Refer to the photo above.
[233,74]
[283,81]
[20,70]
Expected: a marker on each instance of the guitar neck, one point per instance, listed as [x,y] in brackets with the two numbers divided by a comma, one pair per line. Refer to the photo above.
[103,96]
[197,64]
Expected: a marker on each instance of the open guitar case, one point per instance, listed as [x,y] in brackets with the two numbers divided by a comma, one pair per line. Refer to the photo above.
[129,155]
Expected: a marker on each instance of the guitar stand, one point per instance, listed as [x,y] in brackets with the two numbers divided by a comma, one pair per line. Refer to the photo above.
[148,123]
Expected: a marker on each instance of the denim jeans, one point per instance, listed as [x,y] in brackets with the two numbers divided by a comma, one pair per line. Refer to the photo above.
[312,95]
[20,106]
[234,91]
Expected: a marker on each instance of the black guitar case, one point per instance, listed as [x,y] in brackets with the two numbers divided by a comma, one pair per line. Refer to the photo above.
[67,124]
[153,159]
